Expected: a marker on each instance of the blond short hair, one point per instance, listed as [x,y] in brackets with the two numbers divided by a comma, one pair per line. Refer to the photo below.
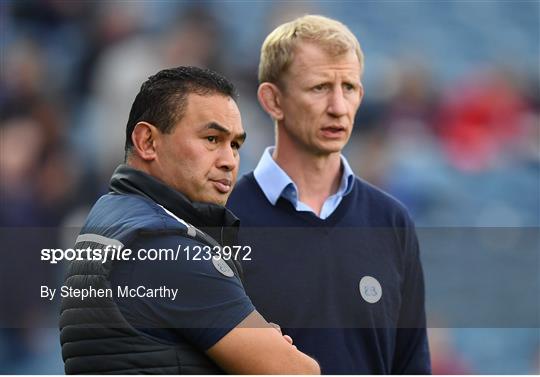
[277,51]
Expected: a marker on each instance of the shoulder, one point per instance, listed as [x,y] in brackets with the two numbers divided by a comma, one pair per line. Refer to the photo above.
[380,203]
[122,216]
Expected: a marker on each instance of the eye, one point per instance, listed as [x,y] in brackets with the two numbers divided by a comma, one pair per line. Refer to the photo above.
[235,145]
[212,139]
[349,87]
[319,88]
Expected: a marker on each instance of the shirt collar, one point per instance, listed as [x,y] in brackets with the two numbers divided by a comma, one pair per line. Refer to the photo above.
[274,181]
[347,179]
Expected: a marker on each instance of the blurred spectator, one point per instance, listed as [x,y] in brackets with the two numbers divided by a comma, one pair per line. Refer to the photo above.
[445,359]
[194,38]
[479,118]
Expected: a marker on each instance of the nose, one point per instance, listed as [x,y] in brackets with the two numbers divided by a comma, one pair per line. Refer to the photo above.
[337,105]
[227,159]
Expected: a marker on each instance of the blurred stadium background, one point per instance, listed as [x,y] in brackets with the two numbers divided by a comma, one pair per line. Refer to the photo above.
[449,125]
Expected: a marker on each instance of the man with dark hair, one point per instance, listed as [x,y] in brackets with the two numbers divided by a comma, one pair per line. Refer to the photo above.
[184,311]
[163,97]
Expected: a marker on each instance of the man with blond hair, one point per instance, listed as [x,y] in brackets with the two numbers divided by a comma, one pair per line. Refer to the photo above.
[335,260]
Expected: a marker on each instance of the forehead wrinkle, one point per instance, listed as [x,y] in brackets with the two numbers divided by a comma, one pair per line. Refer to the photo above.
[332,73]
[312,59]
[327,70]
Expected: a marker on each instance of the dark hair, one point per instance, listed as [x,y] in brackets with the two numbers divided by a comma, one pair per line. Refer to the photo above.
[163,97]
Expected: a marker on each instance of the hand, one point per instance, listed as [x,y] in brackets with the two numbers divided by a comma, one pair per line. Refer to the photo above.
[286,337]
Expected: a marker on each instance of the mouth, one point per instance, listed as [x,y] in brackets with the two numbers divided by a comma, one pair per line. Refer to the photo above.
[224,186]
[333,132]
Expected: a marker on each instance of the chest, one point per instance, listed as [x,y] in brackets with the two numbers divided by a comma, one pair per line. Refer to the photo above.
[322,277]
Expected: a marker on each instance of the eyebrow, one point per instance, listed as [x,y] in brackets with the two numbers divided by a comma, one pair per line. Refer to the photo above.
[220,128]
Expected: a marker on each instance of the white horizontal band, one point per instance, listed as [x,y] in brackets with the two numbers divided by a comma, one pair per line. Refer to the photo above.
[91,237]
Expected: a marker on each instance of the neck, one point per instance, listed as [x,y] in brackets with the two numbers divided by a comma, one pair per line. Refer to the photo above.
[316,176]
[211,218]
[136,163]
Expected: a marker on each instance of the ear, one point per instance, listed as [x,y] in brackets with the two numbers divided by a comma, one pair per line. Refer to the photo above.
[269,96]
[143,138]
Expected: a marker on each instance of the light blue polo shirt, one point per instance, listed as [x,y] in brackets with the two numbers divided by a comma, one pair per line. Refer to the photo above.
[275,183]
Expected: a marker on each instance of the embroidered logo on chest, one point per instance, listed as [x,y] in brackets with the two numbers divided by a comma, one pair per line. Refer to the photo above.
[370,289]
